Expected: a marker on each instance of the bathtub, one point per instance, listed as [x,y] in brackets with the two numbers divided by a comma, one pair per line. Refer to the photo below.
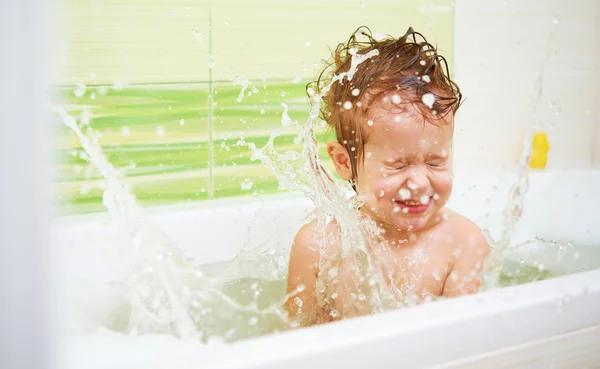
[550,322]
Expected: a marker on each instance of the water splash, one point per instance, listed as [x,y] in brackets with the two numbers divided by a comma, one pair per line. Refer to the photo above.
[241,81]
[514,207]
[166,291]
[358,248]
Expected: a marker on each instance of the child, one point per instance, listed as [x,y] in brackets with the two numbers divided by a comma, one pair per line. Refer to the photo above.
[394,122]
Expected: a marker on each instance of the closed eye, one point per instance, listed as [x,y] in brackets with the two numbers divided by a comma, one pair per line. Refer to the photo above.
[437,164]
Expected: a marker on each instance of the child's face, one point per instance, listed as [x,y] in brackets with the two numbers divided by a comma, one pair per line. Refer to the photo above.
[406,174]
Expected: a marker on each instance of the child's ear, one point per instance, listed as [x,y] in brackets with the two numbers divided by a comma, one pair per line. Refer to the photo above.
[341,160]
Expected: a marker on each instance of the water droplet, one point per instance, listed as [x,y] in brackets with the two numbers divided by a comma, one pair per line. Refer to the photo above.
[125,131]
[381,193]
[210,61]
[368,154]
[556,21]
[426,78]
[247,184]
[253,321]
[160,131]
[117,86]
[396,99]
[424,199]
[79,90]
[428,99]
[347,105]
[422,62]
[370,122]
[404,194]
[181,122]
[262,111]
[356,92]
[298,301]
[436,275]
[436,196]
[282,93]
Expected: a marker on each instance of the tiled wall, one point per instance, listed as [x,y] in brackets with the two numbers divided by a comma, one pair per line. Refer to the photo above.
[500,46]
[145,41]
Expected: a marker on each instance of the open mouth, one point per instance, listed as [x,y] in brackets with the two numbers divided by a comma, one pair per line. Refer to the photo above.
[413,206]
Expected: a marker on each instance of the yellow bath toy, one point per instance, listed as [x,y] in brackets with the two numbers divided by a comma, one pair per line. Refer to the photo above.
[539,151]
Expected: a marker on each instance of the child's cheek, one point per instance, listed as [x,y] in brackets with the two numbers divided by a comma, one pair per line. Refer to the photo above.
[379,189]
[443,185]
[386,187]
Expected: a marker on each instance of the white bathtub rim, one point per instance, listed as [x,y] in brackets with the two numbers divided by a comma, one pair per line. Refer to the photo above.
[532,300]
[427,335]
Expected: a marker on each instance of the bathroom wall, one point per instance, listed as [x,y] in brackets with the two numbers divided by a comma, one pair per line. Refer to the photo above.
[500,47]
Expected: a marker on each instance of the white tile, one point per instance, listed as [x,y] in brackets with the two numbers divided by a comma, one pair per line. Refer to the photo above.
[500,49]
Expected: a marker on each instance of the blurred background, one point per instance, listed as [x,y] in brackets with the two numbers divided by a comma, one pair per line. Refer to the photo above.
[170,86]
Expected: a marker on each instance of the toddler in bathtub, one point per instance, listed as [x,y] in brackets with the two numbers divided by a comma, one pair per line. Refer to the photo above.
[394,123]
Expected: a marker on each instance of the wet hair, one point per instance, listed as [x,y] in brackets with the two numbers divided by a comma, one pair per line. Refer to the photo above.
[408,66]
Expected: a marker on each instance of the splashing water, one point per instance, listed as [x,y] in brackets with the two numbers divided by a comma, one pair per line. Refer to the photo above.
[242,81]
[167,293]
[514,207]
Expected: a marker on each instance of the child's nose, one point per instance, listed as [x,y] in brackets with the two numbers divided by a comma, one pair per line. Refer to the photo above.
[417,180]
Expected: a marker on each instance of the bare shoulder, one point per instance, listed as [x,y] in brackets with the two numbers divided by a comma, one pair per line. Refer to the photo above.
[469,240]
[306,243]
[303,268]
[307,240]
[470,248]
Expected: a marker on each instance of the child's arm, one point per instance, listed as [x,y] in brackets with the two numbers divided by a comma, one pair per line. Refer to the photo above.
[302,277]
[464,277]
